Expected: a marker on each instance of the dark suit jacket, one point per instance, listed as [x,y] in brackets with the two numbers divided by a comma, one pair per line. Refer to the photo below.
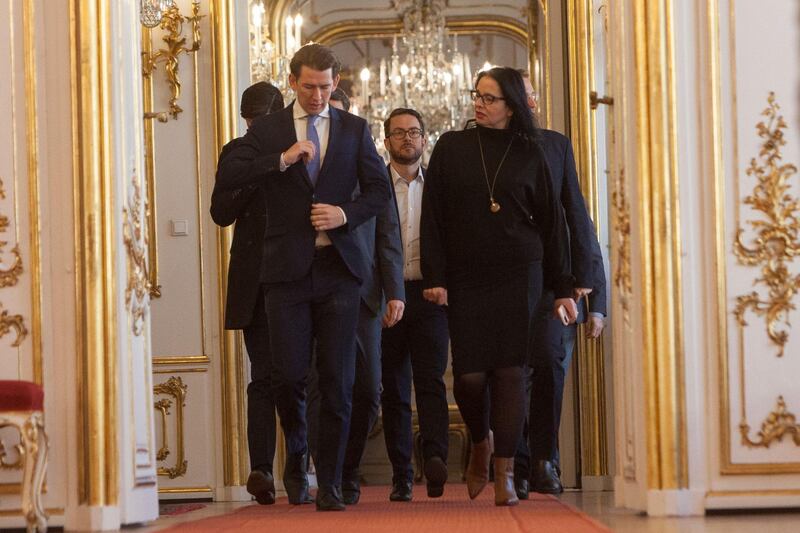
[245,206]
[352,177]
[380,238]
[586,257]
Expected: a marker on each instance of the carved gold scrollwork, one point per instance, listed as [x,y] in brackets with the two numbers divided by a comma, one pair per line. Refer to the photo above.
[9,276]
[777,240]
[15,322]
[135,239]
[5,464]
[622,232]
[176,388]
[172,23]
[778,424]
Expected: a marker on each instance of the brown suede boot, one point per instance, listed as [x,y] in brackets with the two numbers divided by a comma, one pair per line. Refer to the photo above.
[478,470]
[504,493]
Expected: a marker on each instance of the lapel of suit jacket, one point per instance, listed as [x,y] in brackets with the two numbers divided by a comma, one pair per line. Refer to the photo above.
[334,133]
[287,124]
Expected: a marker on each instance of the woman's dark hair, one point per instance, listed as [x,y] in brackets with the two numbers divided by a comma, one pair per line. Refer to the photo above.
[523,122]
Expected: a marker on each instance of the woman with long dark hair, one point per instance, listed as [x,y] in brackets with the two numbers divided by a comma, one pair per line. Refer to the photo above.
[492,234]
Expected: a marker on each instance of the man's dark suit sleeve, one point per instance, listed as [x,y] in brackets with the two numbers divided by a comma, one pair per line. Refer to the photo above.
[245,165]
[228,205]
[373,184]
[581,228]
[597,298]
[389,251]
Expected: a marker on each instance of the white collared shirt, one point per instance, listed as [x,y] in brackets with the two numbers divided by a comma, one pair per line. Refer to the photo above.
[409,206]
[323,127]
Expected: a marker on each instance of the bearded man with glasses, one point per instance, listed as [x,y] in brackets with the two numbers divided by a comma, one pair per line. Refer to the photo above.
[416,347]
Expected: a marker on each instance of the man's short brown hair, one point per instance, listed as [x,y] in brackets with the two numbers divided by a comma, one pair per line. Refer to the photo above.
[402,111]
[315,56]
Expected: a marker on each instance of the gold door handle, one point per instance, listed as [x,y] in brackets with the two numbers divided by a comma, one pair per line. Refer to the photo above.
[595,101]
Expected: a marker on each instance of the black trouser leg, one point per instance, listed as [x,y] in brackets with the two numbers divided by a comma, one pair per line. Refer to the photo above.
[260,402]
[396,399]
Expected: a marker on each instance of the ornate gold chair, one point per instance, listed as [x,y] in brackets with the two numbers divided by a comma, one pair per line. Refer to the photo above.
[21,407]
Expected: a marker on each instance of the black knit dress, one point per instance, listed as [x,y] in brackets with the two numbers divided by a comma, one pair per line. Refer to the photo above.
[493,265]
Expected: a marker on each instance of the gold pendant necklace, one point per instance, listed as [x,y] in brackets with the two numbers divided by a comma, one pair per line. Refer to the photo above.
[494,207]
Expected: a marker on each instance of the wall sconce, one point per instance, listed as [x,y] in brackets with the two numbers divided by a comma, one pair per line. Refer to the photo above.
[171,21]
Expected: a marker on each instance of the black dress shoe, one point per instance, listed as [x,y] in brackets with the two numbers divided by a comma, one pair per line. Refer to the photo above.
[329,499]
[401,491]
[521,487]
[545,478]
[295,480]
[351,492]
[436,474]
[262,486]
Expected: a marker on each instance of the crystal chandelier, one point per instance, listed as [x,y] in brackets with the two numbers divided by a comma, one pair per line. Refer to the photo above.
[421,74]
[267,63]
[152,11]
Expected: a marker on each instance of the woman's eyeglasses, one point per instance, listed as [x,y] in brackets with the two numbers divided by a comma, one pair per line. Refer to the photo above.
[487,99]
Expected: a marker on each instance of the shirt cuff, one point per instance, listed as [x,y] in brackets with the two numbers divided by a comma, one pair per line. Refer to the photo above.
[344,216]
[283,165]
[596,314]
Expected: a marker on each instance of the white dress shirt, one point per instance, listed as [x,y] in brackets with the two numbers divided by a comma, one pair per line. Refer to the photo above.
[323,127]
[409,206]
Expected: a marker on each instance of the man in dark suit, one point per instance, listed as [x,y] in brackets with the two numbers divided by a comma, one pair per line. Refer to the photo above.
[244,307]
[417,345]
[322,178]
[552,342]
[382,304]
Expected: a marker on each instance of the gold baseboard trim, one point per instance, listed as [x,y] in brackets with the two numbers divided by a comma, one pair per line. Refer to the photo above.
[181,360]
[766,492]
[6,513]
[179,370]
[185,490]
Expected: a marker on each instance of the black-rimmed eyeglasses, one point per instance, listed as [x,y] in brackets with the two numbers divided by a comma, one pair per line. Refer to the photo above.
[487,99]
[400,134]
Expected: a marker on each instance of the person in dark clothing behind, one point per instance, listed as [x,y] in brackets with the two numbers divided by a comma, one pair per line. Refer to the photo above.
[340,100]
[492,236]
[244,307]
[553,342]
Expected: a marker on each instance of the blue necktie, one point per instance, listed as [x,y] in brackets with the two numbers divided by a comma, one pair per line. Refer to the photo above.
[312,166]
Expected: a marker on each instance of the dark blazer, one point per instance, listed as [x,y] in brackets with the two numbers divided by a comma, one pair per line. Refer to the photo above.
[586,257]
[381,240]
[352,177]
[245,206]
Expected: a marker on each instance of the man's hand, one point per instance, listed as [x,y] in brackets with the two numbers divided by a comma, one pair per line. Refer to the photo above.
[394,312]
[569,306]
[325,217]
[580,292]
[300,149]
[594,326]
[437,295]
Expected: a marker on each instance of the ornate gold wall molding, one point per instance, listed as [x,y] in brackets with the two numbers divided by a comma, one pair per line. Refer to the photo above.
[234,384]
[96,252]
[658,214]
[383,28]
[778,424]
[10,322]
[172,23]
[177,389]
[9,275]
[777,240]
[621,220]
[135,240]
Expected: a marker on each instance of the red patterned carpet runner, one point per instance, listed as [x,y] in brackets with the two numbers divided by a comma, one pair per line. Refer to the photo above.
[453,512]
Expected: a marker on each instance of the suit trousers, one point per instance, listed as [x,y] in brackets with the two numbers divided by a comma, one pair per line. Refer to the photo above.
[415,349]
[260,401]
[321,307]
[551,354]
[366,395]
